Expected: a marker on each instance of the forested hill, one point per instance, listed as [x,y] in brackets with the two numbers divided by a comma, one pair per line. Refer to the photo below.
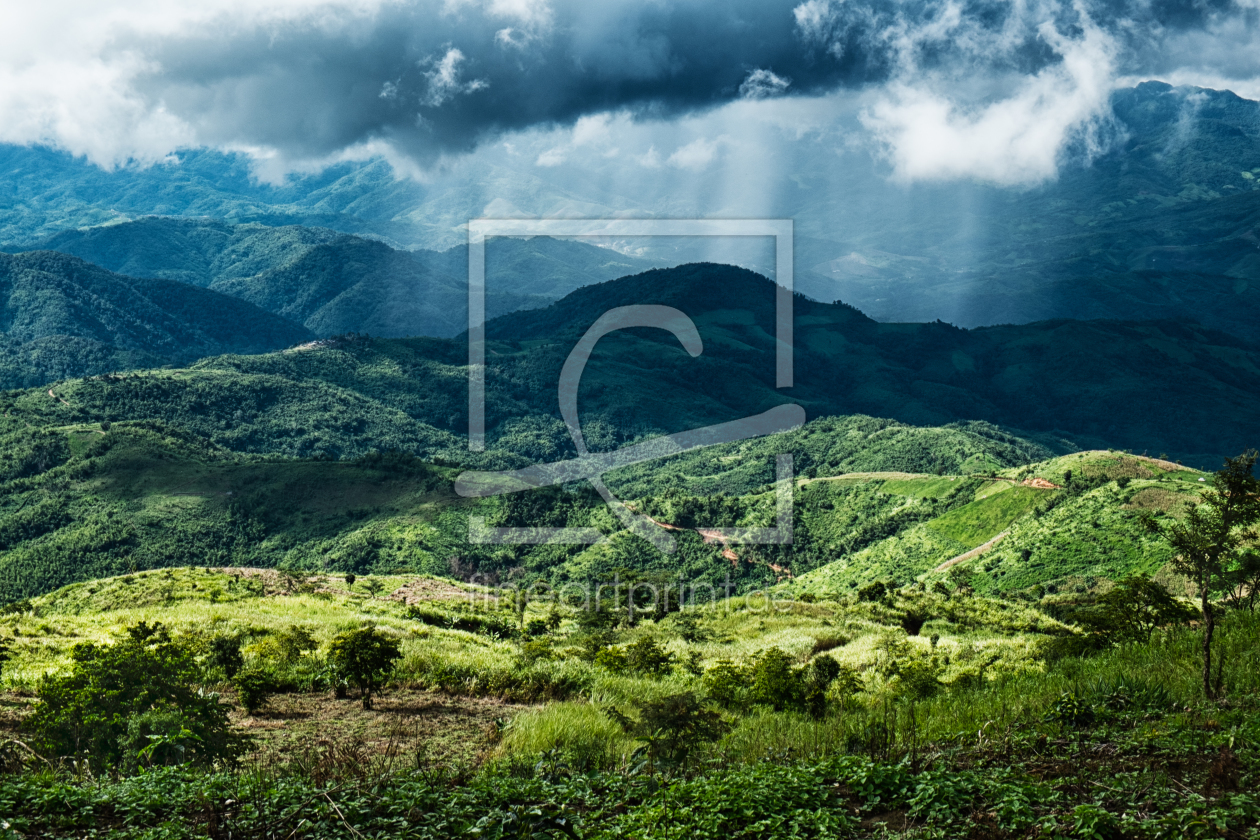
[334,283]
[1160,387]
[60,315]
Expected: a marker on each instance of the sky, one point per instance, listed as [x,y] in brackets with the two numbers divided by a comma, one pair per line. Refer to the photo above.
[616,93]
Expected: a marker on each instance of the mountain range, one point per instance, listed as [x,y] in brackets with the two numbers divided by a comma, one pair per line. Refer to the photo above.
[1159,221]
[1161,387]
[334,283]
[61,316]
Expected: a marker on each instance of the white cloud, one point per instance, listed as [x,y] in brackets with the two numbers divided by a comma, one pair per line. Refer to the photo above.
[696,155]
[590,132]
[553,157]
[444,79]
[1015,139]
[762,84]
[651,159]
[65,81]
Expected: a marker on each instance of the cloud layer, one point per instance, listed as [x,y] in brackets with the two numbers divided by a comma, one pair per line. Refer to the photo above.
[991,89]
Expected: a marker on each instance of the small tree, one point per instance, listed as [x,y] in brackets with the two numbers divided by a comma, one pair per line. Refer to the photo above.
[90,708]
[366,657]
[1134,608]
[1208,542]
[673,726]
[225,653]
[253,687]
[350,579]
[1245,581]
[373,586]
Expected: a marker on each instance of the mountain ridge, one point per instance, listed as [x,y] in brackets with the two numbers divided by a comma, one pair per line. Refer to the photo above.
[1163,387]
[46,296]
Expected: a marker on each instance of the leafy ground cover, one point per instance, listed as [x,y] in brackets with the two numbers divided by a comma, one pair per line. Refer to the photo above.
[1001,742]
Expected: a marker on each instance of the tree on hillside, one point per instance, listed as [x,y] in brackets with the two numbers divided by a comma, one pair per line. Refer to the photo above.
[1133,609]
[1209,542]
[366,658]
[118,698]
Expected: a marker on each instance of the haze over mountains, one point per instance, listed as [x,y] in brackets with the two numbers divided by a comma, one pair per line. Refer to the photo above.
[1160,223]
[334,283]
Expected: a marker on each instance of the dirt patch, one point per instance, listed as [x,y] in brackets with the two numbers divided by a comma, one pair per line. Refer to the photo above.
[428,589]
[13,709]
[406,725]
[1039,483]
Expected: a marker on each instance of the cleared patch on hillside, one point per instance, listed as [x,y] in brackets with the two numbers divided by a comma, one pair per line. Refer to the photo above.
[981,520]
[923,488]
[407,728]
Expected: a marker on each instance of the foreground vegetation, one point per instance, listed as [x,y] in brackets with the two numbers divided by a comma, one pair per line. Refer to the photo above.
[908,712]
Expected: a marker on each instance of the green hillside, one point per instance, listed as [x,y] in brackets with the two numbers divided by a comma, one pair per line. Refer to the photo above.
[81,502]
[333,283]
[61,316]
[803,719]
[1160,387]
[1097,522]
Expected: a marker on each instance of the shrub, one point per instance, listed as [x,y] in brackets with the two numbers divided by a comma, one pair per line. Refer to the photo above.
[536,650]
[673,726]
[225,654]
[647,657]
[1131,610]
[874,591]
[293,642]
[612,658]
[486,624]
[918,678]
[366,657]
[726,682]
[774,681]
[689,627]
[253,687]
[89,710]
[644,657]
[158,737]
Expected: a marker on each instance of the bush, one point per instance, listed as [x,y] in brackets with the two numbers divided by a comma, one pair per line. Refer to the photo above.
[158,737]
[673,726]
[366,657]
[644,657]
[874,591]
[774,681]
[726,682]
[225,654]
[90,710]
[290,644]
[253,687]
[486,624]
[647,657]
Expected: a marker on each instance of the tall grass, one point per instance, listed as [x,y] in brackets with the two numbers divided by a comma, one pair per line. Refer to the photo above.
[1169,665]
[582,732]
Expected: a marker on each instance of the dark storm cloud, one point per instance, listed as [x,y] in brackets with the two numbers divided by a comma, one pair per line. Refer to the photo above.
[431,79]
